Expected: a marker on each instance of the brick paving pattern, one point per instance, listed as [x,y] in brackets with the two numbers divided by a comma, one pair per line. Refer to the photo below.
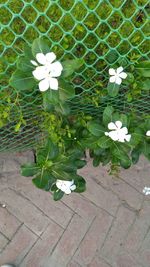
[107,226]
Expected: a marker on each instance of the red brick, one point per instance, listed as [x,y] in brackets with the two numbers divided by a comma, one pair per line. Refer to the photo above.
[24,210]
[97,262]
[7,165]
[81,206]
[97,194]
[142,247]
[69,243]
[11,162]
[94,238]
[3,242]
[139,229]
[126,193]
[117,234]
[8,223]
[18,247]
[43,200]
[73,264]
[126,260]
[43,247]
[138,175]
[143,253]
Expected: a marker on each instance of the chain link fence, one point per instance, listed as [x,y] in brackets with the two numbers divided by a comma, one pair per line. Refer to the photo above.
[100,31]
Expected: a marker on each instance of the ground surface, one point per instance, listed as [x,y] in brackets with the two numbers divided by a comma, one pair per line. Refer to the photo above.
[108,226]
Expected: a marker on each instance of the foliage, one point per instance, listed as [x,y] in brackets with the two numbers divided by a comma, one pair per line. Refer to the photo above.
[68,135]
[51,164]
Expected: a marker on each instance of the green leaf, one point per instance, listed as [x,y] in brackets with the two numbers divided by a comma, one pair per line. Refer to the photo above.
[146,150]
[90,143]
[40,46]
[49,152]
[63,108]
[125,162]
[48,106]
[44,180]
[104,142]
[145,85]
[80,184]
[113,89]
[57,195]
[107,115]
[80,163]
[123,118]
[22,81]
[66,90]
[60,174]
[120,153]
[50,100]
[52,150]
[29,169]
[68,167]
[144,68]
[28,52]
[75,153]
[96,161]
[136,138]
[135,155]
[70,66]
[54,187]
[98,151]
[115,116]
[24,64]
[95,128]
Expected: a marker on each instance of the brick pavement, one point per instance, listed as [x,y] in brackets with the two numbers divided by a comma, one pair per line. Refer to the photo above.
[107,226]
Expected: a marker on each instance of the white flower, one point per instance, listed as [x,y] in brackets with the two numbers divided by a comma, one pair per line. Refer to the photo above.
[148,133]
[118,134]
[117,75]
[146,190]
[48,72]
[66,186]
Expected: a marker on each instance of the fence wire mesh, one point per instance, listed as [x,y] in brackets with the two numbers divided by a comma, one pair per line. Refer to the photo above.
[99,31]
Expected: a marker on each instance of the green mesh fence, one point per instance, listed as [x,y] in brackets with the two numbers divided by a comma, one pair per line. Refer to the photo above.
[99,31]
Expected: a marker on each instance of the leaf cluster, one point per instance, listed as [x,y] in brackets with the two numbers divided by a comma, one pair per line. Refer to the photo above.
[52,165]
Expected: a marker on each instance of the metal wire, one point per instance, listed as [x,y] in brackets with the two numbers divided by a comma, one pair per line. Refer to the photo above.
[91,29]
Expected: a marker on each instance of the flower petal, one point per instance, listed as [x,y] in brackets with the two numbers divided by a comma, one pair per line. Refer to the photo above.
[67,191]
[73,187]
[124,130]
[128,137]
[120,69]
[50,57]
[59,184]
[121,137]
[56,69]
[118,80]
[34,62]
[146,190]
[53,83]
[39,73]
[112,71]
[123,75]
[112,126]
[118,124]
[106,133]
[113,135]
[44,85]
[41,58]
[148,133]
[112,79]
